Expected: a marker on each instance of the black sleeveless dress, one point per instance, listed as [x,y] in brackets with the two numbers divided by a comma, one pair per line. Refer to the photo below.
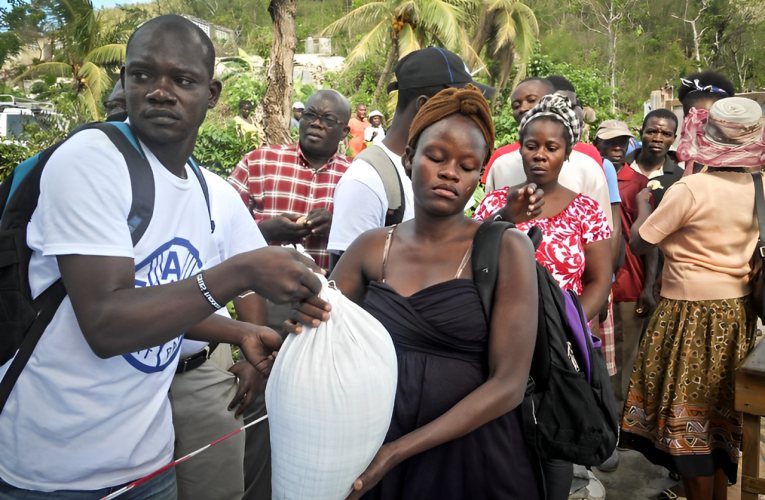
[441,340]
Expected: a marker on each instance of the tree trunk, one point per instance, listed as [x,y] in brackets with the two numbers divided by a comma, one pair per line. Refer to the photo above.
[385,75]
[277,103]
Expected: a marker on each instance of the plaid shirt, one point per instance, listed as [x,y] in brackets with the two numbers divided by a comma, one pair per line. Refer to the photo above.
[278,179]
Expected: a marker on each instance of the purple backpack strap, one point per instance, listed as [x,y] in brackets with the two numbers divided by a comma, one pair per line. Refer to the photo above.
[580,328]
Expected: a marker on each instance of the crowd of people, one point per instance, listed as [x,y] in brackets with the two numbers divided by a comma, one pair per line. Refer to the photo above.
[135,369]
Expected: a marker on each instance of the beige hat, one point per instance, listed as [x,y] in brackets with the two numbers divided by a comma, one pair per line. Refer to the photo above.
[613,128]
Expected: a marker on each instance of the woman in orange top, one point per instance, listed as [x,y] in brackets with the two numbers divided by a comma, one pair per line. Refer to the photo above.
[679,411]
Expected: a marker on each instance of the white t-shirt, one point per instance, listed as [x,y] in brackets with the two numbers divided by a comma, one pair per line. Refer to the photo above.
[580,174]
[75,421]
[360,202]
[235,232]
[378,138]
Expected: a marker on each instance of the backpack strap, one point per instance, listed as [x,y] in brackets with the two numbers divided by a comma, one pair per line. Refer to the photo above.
[201,178]
[141,211]
[394,188]
[486,247]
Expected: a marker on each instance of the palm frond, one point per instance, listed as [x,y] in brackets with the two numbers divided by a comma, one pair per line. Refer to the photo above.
[371,42]
[114,53]
[90,100]
[360,17]
[526,34]
[441,18]
[48,68]
[407,41]
[95,78]
[468,54]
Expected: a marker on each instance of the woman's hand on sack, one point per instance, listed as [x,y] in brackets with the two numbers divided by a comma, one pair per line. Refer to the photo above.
[383,462]
[522,204]
[259,347]
[250,385]
[310,312]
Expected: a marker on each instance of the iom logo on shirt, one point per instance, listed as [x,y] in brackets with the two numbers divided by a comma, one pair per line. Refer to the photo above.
[174,261]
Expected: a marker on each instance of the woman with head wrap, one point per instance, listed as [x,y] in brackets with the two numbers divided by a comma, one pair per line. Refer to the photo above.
[575,247]
[456,429]
[700,91]
[679,411]
[575,244]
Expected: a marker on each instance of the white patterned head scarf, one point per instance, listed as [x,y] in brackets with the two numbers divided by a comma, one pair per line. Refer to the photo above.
[560,108]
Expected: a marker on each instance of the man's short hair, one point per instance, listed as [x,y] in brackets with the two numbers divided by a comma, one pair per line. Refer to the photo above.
[407,96]
[208,49]
[544,81]
[660,113]
[359,105]
[560,82]
[244,103]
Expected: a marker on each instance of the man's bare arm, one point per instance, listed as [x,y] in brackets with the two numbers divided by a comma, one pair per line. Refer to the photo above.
[117,318]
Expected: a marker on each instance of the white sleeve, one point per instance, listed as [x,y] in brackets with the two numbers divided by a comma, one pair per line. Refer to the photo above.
[368,133]
[357,208]
[506,171]
[244,235]
[85,199]
[583,175]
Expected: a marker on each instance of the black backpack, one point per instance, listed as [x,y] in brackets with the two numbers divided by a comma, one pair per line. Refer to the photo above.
[22,318]
[565,415]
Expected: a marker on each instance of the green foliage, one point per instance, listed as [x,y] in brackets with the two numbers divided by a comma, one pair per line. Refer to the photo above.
[505,127]
[220,148]
[34,139]
[11,154]
[38,88]
[358,82]
[241,87]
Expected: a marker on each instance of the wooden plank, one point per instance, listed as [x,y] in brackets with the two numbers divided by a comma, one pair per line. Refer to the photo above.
[750,393]
[750,457]
[752,485]
[754,362]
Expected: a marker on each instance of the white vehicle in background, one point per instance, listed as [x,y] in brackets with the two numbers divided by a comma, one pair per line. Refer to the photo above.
[15,112]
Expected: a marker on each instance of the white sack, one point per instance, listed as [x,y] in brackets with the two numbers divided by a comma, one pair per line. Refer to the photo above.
[330,400]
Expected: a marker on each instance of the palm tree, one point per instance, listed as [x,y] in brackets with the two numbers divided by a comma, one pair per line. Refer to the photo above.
[403,26]
[86,59]
[506,28]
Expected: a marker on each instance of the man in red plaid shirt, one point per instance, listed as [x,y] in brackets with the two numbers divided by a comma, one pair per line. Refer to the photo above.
[290,188]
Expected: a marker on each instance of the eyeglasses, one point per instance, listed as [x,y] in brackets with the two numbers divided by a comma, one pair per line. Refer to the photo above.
[110,105]
[310,117]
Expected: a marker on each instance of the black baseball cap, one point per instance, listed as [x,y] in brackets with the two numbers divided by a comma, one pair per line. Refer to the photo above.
[434,66]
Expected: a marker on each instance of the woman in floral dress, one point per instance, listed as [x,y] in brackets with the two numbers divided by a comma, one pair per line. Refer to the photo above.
[575,233]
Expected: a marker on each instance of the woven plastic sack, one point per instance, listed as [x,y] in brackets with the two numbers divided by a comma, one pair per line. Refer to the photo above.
[330,400]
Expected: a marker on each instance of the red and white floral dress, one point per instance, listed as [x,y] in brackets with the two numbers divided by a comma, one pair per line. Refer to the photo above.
[563,236]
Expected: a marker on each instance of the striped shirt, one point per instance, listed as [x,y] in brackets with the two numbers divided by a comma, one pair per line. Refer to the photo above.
[278,179]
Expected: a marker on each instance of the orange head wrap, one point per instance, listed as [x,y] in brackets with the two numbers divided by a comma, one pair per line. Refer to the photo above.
[468,102]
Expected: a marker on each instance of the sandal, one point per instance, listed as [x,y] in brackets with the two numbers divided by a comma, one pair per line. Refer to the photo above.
[668,494]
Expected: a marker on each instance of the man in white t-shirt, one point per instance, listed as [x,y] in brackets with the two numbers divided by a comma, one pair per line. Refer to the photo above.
[89,412]
[360,200]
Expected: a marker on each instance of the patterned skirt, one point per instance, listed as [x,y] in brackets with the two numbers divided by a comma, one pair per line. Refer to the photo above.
[679,409]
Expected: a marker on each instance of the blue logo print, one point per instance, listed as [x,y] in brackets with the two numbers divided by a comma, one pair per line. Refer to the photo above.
[174,261]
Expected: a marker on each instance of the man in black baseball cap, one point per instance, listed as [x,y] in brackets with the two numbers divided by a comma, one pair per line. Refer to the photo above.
[434,67]
[361,197]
